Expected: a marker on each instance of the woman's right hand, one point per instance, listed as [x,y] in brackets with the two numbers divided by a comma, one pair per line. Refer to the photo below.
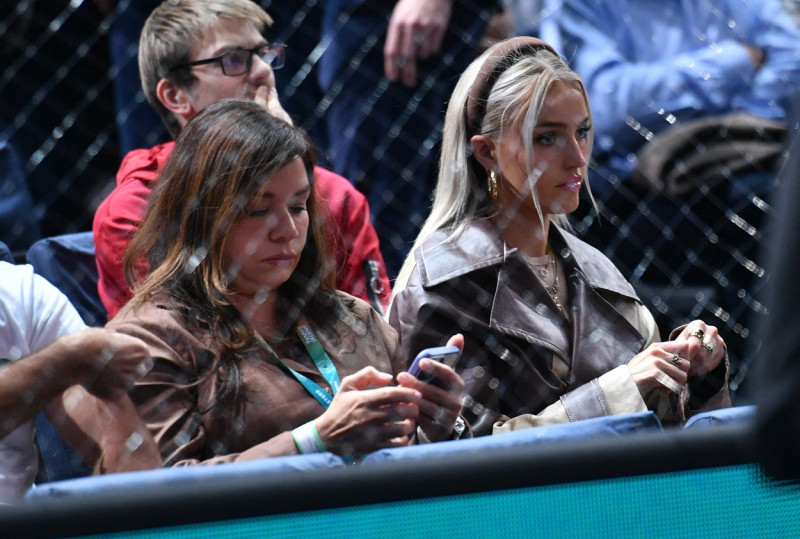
[368,414]
[657,367]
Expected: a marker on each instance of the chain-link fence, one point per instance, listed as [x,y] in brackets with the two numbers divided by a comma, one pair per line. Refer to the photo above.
[71,107]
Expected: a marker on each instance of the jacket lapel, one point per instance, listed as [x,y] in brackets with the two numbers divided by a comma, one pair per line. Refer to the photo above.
[523,309]
[598,330]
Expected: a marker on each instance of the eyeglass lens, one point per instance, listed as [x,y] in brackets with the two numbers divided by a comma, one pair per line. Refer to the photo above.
[240,61]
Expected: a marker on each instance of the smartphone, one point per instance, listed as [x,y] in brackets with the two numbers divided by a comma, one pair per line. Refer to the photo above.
[446,354]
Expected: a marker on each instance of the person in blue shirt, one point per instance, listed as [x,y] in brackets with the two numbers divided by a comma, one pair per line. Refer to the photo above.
[652,68]
[649,64]
[387,72]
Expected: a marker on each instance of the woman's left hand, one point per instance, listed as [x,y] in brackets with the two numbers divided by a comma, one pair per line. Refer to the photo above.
[704,347]
[441,401]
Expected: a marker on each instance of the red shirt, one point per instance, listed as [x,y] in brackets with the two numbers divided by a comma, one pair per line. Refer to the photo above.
[354,240]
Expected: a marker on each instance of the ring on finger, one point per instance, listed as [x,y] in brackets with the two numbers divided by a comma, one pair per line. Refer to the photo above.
[676,360]
[697,333]
[709,348]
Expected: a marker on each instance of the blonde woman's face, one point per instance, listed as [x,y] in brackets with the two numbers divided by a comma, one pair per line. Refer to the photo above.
[561,151]
[264,246]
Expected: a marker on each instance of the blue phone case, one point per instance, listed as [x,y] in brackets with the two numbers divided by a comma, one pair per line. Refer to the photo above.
[446,354]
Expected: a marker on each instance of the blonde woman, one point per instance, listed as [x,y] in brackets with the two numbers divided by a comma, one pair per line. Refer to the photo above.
[553,331]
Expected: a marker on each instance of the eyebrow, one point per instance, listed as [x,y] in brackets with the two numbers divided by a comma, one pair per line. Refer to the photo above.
[545,125]
[234,47]
[295,195]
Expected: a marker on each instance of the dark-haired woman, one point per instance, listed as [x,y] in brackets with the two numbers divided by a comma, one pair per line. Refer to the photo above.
[255,353]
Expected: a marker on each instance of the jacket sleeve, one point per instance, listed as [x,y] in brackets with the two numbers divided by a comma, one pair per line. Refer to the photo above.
[361,270]
[771,28]
[623,81]
[425,320]
[615,389]
[613,393]
[116,220]
[168,403]
[704,393]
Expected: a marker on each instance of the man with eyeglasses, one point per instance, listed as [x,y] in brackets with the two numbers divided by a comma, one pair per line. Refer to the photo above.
[192,53]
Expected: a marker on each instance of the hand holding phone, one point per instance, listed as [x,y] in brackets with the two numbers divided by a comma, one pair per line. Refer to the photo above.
[445,354]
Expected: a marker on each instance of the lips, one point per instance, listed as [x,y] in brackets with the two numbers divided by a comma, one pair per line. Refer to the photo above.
[572,185]
[281,259]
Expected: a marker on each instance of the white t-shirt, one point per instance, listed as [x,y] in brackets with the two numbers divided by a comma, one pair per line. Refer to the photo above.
[33,313]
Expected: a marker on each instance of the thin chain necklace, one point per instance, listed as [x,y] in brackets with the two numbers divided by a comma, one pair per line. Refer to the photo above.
[553,290]
[544,272]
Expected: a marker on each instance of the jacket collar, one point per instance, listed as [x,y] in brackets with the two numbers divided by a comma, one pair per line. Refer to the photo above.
[481,246]
[521,306]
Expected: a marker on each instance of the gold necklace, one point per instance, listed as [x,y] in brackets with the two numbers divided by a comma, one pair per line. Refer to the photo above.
[543,271]
[553,290]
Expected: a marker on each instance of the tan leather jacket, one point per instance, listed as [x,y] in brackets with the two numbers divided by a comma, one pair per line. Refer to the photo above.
[177,403]
[515,334]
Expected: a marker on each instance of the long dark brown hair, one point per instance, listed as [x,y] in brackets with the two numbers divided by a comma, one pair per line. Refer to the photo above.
[221,161]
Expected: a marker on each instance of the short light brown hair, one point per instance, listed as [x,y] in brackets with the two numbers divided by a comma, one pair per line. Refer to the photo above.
[170,33]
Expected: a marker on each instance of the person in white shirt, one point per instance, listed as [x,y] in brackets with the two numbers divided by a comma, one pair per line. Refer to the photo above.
[52,362]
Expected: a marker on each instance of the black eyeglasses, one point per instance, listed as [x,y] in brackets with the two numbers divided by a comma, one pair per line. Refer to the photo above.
[240,61]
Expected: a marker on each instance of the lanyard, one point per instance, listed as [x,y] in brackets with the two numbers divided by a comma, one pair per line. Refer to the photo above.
[321,360]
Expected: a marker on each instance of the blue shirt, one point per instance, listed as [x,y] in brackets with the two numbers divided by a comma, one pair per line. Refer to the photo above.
[648,64]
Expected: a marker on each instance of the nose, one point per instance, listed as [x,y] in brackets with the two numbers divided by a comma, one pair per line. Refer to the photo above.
[282,226]
[577,151]
[260,70]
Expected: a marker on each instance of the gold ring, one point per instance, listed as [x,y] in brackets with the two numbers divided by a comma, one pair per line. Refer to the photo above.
[697,333]
[677,360]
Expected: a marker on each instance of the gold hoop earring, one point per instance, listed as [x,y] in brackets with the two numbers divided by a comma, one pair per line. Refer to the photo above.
[492,180]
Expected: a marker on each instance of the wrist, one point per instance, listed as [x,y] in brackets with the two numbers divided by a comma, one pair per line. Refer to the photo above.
[72,360]
[307,439]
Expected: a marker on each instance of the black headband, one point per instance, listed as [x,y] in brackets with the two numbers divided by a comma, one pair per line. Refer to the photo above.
[494,66]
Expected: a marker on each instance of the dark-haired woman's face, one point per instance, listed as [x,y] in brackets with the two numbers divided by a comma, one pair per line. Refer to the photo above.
[264,247]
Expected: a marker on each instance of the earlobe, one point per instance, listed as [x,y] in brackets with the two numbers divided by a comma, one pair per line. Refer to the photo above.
[173,98]
[483,149]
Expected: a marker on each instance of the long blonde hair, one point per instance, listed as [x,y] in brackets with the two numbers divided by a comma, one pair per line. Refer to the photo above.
[513,102]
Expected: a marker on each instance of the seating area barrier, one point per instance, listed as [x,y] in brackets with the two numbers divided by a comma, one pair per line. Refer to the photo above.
[588,450]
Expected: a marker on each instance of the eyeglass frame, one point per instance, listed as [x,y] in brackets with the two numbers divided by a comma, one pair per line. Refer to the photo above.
[248,63]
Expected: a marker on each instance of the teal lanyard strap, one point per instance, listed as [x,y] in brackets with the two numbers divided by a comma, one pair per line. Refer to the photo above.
[321,360]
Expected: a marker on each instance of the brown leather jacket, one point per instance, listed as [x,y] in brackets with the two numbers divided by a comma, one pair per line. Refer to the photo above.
[178,404]
[513,330]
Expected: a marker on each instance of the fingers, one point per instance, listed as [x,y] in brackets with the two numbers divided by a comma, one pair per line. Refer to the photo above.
[441,402]
[131,358]
[359,422]
[415,32]
[399,53]
[400,64]
[392,56]
[366,378]
[705,347]
[267,97]
[431,43]
[456,340]
[661,365]
[675,366]
[110,362]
